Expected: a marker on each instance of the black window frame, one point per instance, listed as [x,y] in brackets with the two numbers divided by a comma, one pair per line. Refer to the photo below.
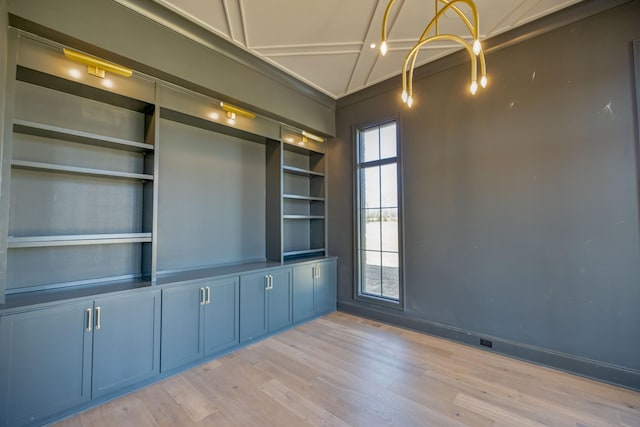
[359,293]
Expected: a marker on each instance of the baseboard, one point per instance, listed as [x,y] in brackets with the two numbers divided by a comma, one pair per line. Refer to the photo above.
[592,369]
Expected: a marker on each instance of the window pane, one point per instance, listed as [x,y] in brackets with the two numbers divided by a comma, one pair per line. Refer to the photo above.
[370,145]
[388,146]
[389,186]
[390,275]
[389,230]
[378,245]
[370,182]
[370,233]
[371,273]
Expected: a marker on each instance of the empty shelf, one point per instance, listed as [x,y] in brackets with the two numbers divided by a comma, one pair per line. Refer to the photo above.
[300,171]
[48,131]
[49,167]
[78,240]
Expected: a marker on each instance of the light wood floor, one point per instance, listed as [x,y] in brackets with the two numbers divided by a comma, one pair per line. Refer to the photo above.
[342,370]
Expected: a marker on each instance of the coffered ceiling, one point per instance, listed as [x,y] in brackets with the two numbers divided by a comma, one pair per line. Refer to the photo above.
[327,43]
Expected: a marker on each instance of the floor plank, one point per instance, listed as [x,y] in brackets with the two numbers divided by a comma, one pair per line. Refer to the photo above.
[343,370]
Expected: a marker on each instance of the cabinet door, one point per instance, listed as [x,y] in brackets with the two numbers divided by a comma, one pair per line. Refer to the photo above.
[280,300]
[253,306]
[182,325]
[221,315]
[303,294]
[45,362]
[326,285]
[126,347]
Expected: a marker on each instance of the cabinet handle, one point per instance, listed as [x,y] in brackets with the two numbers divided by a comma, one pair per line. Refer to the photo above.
[202,297]
[89,320]
[270,282]
[317,271]
[313,271]
[208,295]
[98,318]
[266,282]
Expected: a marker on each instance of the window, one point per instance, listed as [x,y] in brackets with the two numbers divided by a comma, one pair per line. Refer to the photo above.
[378,241]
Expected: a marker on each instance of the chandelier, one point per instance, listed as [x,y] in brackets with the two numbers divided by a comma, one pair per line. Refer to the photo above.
[432,33]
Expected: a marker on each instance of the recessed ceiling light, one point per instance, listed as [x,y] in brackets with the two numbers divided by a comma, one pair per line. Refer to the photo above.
[214,116]
[372,45]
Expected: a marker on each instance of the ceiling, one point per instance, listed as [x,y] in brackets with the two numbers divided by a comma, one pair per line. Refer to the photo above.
[327,43]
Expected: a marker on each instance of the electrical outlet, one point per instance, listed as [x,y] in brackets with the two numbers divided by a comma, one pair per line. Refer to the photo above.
[486,343]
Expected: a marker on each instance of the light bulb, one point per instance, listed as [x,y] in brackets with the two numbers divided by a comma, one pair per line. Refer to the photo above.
[404,96]
[383,48]
[474,87]
[483,81]
[410,101]
[477,47]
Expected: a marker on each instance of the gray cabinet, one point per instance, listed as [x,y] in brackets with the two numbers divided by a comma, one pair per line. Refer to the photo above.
[314,289]
[265,303]
[198,320]
[126,341]
[326,283]
[45,362]
[303,292]
[221,316]
[58,357]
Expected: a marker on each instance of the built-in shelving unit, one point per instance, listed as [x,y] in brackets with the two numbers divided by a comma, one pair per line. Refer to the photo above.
[303,197]
[82,172]
[82,168]
[107,243]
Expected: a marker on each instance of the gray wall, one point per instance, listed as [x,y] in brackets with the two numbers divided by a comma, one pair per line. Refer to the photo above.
[211,199]
[114,32]
[4,190]
[521,203]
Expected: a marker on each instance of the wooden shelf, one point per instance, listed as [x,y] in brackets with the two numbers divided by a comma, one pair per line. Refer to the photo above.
[48,131]
[49,167]
[303,216]
[299,197]
[309,147]
[78,240]
[302,252]
[50,81]
[300,171]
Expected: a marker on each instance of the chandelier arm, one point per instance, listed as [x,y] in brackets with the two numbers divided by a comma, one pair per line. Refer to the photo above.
[385,18]
[451,4]
[474,49]
[434,21]
[413,54]
[474,28]
[420,44]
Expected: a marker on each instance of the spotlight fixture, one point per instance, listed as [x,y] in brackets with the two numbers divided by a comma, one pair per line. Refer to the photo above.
[233,111]
[473,48]
[97,67]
